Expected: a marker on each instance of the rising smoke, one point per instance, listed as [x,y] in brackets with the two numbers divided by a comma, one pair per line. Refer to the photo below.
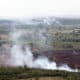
[20,57]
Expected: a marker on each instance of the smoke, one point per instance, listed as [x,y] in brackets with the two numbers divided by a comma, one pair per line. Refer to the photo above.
[24,57]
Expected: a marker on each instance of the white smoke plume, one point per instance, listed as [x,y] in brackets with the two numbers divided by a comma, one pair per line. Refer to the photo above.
[21,57]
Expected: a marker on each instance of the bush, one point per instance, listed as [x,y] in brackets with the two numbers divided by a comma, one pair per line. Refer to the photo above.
[67,46]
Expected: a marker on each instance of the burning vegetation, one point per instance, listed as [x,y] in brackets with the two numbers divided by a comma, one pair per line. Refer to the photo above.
[40,46]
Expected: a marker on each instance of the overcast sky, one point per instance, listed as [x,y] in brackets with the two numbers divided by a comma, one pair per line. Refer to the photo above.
[37,8]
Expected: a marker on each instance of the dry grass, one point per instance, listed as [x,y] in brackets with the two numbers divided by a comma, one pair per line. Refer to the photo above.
[45,78]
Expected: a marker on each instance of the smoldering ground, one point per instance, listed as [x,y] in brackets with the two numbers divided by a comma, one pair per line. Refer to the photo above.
[22,56]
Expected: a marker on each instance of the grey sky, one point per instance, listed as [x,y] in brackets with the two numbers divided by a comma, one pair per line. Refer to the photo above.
[37,8]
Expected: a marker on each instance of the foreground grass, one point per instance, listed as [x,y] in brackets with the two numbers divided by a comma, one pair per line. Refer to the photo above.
[36,74]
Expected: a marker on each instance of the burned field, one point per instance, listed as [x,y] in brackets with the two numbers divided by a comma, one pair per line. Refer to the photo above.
[70,57]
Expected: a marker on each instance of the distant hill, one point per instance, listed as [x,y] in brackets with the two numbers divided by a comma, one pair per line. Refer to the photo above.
[45,21]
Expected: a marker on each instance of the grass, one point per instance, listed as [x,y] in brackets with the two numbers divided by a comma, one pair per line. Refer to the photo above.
[36,74]
[59,37]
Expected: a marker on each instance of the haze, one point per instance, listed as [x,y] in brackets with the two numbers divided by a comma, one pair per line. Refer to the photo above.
[38,8]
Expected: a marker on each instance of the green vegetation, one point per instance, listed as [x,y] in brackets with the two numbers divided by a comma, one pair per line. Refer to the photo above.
[26,73]
[44,37]
[65,40]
